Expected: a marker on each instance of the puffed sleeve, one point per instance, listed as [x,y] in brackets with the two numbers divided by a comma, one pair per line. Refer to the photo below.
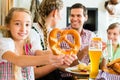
[6,44]
[35,40]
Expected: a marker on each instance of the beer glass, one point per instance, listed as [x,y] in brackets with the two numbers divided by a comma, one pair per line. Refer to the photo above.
[95,52]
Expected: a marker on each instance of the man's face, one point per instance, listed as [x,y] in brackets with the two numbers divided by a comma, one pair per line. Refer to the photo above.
[77,18]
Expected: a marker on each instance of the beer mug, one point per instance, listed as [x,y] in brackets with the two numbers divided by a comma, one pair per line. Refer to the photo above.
[95,52]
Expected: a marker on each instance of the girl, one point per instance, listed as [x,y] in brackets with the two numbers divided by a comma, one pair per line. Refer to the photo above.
[17,50]
[113,33]
[48,16]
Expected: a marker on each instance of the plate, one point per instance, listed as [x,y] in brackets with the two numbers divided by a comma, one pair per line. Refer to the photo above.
[74,70]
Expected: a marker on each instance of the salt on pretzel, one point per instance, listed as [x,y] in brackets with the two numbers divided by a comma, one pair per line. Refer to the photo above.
[54,42]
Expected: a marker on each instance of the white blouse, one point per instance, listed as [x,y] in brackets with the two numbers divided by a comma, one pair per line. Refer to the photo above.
[7,44]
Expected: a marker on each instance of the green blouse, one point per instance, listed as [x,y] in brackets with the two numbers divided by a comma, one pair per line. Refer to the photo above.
[116,54]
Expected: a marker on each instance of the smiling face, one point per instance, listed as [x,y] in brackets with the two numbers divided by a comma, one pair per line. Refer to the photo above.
[77,18]
[20,25]
[114,35]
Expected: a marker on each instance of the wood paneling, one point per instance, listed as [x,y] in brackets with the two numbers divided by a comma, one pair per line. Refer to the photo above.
[5,6]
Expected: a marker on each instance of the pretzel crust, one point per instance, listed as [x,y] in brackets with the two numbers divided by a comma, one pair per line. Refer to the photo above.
[54,42]
[113,67]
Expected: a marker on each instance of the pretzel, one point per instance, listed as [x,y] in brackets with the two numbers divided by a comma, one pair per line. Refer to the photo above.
[115,65]
[54,41]
[113,62]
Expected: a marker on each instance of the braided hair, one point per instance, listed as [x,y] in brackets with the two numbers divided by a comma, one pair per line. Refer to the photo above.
[45,8]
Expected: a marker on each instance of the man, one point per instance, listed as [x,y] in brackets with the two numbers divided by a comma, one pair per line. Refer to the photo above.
[78,16]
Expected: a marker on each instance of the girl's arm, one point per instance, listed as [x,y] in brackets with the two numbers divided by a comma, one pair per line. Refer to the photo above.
[25,60]
[44,70]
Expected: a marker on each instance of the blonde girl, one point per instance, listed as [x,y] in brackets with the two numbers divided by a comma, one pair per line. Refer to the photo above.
[18,50]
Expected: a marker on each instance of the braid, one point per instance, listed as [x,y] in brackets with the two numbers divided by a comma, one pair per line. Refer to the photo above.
[45,8]
[44,28]
[45,37]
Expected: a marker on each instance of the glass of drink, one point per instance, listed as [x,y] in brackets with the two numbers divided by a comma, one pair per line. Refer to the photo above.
[107,52]
[95,52]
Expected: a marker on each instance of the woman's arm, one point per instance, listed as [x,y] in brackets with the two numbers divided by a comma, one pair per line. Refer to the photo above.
[44,70]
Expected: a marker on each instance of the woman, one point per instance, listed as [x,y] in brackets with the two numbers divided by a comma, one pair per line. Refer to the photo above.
[49,14]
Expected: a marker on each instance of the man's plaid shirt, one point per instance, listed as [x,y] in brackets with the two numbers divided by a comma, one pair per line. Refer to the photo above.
[85,37]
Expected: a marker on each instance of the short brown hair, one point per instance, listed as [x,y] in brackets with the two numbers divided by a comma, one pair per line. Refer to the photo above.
[79,5]
[114,25]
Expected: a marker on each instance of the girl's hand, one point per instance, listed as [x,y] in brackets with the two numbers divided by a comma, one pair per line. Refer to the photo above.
[56,60]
